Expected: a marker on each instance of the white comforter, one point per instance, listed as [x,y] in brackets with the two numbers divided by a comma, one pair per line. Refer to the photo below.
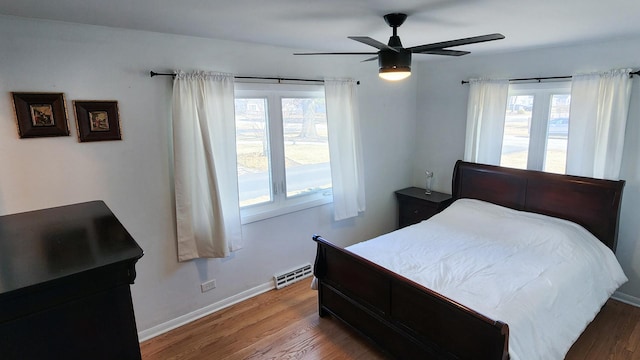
[546,278]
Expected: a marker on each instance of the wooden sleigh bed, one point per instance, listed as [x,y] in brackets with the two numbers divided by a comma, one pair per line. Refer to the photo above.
[409,321]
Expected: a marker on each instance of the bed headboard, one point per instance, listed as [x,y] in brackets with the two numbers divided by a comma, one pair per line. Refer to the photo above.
[592,203]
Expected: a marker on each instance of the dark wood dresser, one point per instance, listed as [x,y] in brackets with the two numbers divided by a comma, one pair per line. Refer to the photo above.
[64,285]
[414,205]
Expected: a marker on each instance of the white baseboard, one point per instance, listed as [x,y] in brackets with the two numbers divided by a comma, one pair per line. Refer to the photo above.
[627,299]
[209,309]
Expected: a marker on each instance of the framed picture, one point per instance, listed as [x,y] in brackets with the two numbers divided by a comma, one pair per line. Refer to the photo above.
[97,120]
[40,114]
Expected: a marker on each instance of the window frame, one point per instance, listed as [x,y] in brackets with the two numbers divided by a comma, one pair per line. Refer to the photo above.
[280,203]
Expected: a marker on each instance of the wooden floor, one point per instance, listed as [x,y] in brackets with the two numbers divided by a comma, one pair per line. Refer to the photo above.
[284,324]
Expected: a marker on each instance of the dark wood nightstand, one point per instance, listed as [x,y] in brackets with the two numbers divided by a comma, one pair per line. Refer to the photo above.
[414,205]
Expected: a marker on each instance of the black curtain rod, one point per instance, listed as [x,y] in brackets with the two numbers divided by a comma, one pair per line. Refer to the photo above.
[279,79]
[153,73]
[548,78]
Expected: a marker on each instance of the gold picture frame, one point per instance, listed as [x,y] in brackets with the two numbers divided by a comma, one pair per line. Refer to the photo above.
[40,114]
[97,120]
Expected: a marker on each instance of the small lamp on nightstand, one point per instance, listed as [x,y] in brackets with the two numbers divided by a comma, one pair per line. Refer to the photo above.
[429,179]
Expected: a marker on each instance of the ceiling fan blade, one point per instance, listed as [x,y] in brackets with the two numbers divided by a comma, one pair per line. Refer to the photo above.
[372,42]
[445,52]
[338,53]
[370,59]
[458,42]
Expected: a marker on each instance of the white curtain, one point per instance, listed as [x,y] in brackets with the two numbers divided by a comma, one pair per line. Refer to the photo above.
[345,149]
[205,171]
[485,120]
[598,117]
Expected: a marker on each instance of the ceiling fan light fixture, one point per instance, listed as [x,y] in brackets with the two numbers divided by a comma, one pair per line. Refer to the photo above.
[394,65]
[395,73]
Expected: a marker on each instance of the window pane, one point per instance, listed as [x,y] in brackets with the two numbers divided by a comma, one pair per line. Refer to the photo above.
[517,123]
[254,182]
[306,148]
[557,133]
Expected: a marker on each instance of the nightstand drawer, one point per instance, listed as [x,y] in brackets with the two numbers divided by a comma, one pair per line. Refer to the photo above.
[414,211]
[415,206]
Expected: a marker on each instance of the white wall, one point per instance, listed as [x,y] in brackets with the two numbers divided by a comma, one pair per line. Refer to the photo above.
[133,175]
[442,111]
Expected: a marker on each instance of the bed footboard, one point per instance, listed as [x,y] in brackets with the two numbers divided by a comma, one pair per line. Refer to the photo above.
[405,319]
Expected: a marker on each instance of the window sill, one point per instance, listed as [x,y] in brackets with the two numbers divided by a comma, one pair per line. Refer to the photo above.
[252,215]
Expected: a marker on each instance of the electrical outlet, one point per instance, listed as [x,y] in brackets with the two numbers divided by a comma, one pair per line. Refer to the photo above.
[208,285]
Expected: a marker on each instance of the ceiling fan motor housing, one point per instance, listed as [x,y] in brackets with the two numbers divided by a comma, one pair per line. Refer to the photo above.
[389,60]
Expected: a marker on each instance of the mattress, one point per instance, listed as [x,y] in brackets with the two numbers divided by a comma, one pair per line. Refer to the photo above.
[545,277]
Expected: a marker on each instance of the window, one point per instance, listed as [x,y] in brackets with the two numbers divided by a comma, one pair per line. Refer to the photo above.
[536,127]
[282,149]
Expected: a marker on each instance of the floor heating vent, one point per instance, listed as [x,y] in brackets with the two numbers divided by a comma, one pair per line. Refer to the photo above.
[292,276]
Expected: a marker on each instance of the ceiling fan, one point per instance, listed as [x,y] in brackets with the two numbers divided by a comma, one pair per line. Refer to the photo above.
[394,60]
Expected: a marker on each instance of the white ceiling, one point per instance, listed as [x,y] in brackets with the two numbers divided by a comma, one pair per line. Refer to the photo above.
[323,25]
